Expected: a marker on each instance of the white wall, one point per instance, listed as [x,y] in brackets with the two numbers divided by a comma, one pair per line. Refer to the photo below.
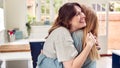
[16,14]
[2,39]
[39,32]
[1,3]
[1,19]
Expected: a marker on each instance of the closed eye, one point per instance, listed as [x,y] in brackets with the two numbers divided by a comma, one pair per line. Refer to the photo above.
[78,13]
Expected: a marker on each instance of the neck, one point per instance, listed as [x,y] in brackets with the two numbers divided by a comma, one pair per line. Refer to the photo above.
[72,30]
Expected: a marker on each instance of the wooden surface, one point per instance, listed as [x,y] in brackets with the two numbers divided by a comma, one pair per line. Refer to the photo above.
[15,48]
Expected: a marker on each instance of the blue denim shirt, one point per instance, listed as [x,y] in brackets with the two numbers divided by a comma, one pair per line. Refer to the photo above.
[46,62]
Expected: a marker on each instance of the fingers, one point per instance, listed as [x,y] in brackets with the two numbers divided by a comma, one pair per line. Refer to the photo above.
[41,52]
[90,40]
[98,48]
[92,37]
[96,41]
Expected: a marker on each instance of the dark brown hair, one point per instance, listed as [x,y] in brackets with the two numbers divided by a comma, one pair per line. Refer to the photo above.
[65,14]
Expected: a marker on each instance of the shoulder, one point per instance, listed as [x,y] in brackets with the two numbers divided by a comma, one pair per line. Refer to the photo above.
[78,33]
[61,30]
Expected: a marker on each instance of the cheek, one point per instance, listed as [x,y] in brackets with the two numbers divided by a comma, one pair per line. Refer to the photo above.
[83,24]
[75,21]
[75,18]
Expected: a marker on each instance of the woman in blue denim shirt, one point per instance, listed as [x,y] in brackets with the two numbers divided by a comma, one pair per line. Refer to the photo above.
[79,37]
[59,50]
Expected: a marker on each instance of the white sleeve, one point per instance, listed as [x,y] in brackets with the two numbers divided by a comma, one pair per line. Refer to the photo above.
[64,46]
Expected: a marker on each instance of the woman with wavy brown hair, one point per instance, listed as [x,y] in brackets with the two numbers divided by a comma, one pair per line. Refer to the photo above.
[80,37]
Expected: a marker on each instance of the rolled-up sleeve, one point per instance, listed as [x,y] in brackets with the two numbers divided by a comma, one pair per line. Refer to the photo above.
[65,49]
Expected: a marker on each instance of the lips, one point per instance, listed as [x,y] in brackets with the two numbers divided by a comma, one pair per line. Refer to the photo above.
[82,21]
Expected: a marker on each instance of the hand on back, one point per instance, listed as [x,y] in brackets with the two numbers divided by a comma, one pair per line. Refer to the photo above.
[90,40]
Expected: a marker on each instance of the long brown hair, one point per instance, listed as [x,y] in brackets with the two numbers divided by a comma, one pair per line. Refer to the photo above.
[92,26]
[65,14]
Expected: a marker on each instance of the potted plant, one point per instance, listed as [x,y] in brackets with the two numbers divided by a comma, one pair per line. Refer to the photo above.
[31,19]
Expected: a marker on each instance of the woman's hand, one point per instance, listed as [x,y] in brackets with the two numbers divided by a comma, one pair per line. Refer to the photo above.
[41,52]
[97,43]
[90,40]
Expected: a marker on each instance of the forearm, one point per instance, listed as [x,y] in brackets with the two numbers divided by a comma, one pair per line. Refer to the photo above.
[80,59]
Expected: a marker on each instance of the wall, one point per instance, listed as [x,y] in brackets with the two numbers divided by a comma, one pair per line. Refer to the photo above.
[16,14]
[89,2]
[39,32]
[113,16]
[1,3]
[2,39]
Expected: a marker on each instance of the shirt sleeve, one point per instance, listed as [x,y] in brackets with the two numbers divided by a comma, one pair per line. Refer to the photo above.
[64,46]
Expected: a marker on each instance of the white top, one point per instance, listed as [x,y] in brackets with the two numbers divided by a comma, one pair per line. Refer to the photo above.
[59,45]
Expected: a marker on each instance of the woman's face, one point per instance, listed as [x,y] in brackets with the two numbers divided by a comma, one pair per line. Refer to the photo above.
[78,21]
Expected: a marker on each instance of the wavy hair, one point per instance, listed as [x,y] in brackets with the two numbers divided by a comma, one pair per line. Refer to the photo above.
[65,14]
[91,26]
